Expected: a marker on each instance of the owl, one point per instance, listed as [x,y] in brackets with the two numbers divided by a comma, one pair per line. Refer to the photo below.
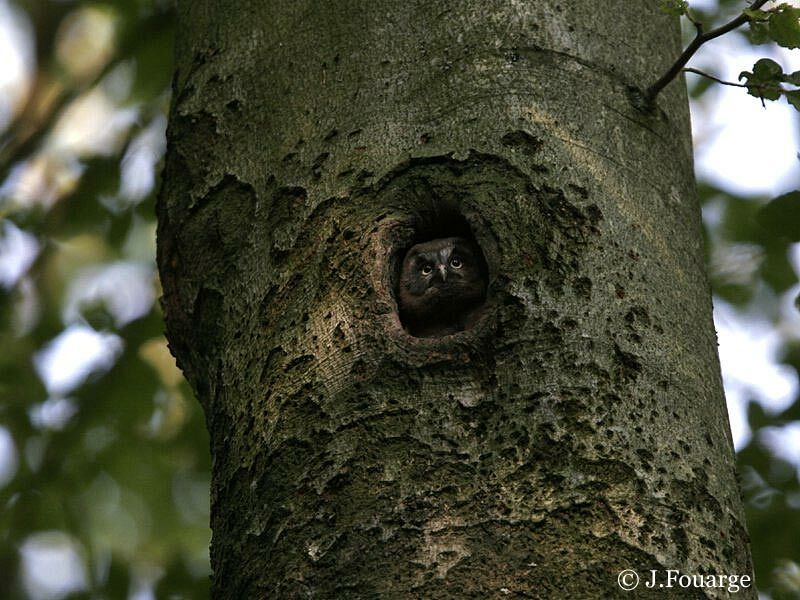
[442,287]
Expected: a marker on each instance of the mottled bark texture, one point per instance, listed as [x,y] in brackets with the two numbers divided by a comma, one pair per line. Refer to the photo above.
[578,429]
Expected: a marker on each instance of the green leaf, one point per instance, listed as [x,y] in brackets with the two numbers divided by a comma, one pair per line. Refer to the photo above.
[793,78]
[766,92]
[781,216]
[759,32]
[674,7]
[767,69]
[784,26]
[764,82]
[793,98]
[756,15]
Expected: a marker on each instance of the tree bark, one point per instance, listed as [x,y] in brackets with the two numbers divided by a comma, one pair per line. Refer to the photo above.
[578,429]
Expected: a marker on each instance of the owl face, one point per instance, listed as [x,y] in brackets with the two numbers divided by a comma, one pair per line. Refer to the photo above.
[440,267]
[440,281]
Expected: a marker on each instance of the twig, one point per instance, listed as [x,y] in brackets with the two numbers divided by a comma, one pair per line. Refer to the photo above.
[700,39]
[759,87]
[698,25]
[712,78]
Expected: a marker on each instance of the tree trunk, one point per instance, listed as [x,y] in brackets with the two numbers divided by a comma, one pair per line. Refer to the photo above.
[577,429]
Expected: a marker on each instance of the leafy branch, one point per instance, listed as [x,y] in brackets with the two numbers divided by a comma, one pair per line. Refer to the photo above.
[763,82]
[780,24]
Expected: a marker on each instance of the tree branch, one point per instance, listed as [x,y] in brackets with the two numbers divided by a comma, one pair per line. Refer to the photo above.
[700,39]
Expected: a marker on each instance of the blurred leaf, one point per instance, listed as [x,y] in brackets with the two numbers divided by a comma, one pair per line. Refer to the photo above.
[673,7]
[108,478]
[793,98]
[781,216]
[81,212]
[787,579]
[738,295]
[181,583]
[155,352]
[739,220]
[153,72]
[756,416]
[776,269]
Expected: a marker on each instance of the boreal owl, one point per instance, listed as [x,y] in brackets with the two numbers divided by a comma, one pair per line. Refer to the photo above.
[442,287]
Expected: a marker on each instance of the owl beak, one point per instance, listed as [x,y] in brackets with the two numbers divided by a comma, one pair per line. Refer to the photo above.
[443,271]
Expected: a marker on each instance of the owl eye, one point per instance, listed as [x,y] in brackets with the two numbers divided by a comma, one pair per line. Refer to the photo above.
[456,263]
[427,269]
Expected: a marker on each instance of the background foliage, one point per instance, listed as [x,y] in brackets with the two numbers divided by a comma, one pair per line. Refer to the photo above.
[104,466]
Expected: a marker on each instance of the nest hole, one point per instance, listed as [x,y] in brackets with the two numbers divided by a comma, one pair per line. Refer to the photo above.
[440,275]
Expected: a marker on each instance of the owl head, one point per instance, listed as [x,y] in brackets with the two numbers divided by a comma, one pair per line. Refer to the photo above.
[440,281]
